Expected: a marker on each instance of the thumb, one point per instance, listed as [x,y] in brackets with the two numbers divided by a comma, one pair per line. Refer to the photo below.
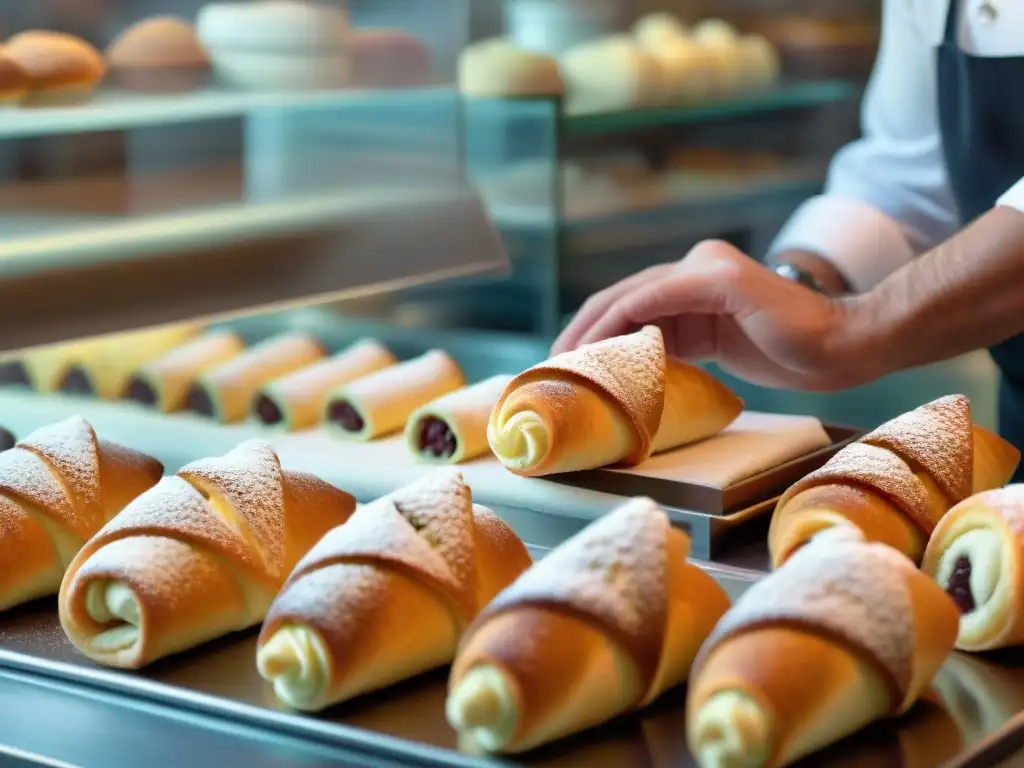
[709,281]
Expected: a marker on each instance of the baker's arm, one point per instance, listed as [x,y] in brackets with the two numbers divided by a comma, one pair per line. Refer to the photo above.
[886,198]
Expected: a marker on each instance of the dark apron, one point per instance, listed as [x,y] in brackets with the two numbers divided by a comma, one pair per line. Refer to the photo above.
[981,117]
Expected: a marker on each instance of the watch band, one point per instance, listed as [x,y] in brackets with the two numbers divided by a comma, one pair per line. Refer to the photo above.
[799,275]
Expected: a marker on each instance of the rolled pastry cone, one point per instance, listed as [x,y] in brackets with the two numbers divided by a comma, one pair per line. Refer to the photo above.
[386,596]
[58,487]
[107,366]
[297,401]
[607,622]
[225,393]
[164,383]
[847,632]
[977,555]
[44,368]
[382,402]
[453,428]
[611,402]
[609,74]
[198,556]
[995,461]
[894,484]
[498,69]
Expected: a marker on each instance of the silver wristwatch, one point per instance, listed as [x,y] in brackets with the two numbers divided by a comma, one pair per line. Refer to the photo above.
[799,275]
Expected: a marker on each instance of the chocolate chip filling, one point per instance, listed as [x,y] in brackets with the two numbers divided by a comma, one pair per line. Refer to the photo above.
[267,411]
[959,585]
[13,372]
[437,438]
[7,440]
[76,382]
[342,413]
[199,401]
[139,391]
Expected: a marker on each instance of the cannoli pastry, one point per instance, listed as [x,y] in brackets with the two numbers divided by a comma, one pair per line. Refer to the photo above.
[225,393]
[164,382]
[382,402]
[106,367]
[386,596]
[845,633]
[977,555]
[297,401]
[897,482]
[604,624]
[45,368]
[617,401]
[200,555]
[453,428]
[58,487]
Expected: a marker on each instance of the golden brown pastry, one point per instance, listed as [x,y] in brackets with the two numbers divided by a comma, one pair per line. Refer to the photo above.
[845,633]
[297,401]
[605,623]
[897,482]
[617,401]
[386,596]
[164,383]
[453,428]
[45,368]
[977,555]
[62,68]
[58,487]
[382,402]
[104,368]
[199,556]
[14,80]
[497,69]
[161,54]
[225,393]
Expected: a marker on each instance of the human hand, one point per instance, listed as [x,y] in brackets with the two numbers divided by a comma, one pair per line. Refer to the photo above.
[719,305]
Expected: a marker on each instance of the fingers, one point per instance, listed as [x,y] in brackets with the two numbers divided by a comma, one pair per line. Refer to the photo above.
[597,305]
[707,282]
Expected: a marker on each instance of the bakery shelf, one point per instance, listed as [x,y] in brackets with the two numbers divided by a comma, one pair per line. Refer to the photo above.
[123,110]
[118,274]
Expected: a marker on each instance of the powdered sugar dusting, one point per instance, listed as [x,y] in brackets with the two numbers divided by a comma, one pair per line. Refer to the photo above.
[1007,503]
[614,573]
[439,507]
[629,369]
[25,476]
[250,481]
[875,468]
[838,588]
[938,438]
[69,446]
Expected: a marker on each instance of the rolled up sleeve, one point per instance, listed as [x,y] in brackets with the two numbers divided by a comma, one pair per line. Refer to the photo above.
[887,196]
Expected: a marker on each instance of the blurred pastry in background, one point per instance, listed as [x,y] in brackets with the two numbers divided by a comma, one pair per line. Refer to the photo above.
[15,82]
[721,42]
[659,29]
[297,401]
[161,55]
[382,402]
[389,58]
[7,439]
[690,69]
[496,69]
[163,383]
[759,62]
[610,74]
[44,368]
[453,428]
[225,392]
[62,69]
[277,44]
[106,367]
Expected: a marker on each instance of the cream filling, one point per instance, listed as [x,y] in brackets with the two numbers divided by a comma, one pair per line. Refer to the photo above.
[109,602]
[731,730]
[522,441]
[483,707]
[294,660]
[983,547]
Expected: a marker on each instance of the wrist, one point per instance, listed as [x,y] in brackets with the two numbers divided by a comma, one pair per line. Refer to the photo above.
[831,281]
[863,339]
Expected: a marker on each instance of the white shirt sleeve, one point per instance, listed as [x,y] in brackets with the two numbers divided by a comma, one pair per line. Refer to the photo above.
[887,197]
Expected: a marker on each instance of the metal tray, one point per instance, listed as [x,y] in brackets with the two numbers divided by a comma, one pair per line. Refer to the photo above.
[970,721]
[708,500]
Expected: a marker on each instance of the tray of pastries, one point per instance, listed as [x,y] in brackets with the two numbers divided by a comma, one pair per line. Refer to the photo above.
[421,626]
